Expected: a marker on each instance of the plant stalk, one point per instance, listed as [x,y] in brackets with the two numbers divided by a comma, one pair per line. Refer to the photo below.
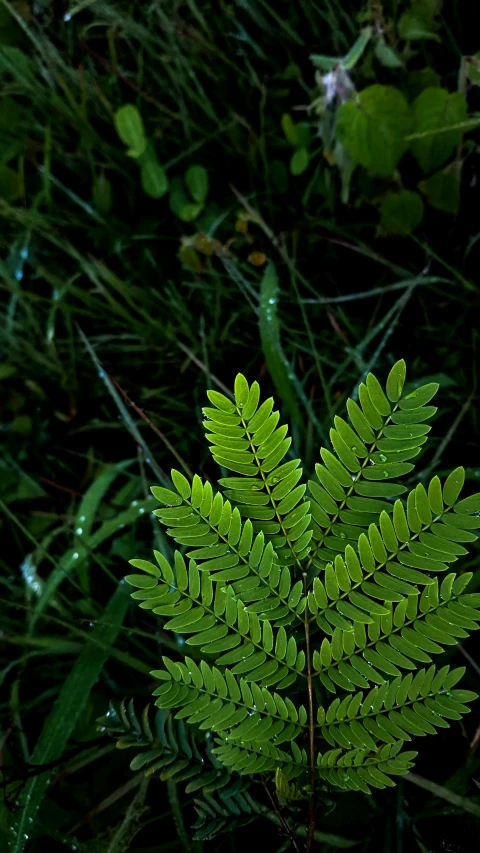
[311,727]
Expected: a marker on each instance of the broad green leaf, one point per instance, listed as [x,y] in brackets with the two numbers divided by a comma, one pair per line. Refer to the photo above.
[396,381]
[401,212]
[129,126]
[67,710]
[190,258]
[453,486]
[442,190]
[324,63]
[177,197]
[434,111]
[422,78]
[469,505]
[374,128]
[299,161]
[386,55]
[473,69]
[356,51]
[290,130]
[196,179]
[190,211]
[419,396]
[417,24]
[153,176]
[166,496]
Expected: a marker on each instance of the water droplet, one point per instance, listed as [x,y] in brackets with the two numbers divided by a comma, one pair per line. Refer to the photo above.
[67,17]
[342,535]
[75,556]
[181,641]
[79,531]
[134,503]
[101,374]
[148,460]
[82,518]
[141,510]
[121,526]
[24,253]
[385,473]
[354,448]
[383,458]
[19,274]
[91,624]
[272,301]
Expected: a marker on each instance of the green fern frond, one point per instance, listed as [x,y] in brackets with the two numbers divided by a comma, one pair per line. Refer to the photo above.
[386,431]
[403,638]
[219,624]
[393,560]
[414,705]
[227,547]
[246,758]
[358,769]
[360,572]
[221,702]
[246,439]
[173,753]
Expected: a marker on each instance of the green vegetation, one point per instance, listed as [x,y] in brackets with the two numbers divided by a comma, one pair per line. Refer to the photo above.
[267,564]
[188,190]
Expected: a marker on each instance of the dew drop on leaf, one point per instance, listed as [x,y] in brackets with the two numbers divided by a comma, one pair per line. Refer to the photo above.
[383,459]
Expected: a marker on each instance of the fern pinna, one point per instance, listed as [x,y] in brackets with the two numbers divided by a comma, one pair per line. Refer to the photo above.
[311,609]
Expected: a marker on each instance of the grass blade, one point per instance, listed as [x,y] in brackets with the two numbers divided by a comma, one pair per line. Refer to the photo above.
[67,710]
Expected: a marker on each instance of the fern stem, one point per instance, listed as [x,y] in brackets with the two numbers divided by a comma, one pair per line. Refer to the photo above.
[311,727]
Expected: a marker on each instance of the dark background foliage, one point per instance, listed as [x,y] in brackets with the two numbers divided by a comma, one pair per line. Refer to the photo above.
[109,296]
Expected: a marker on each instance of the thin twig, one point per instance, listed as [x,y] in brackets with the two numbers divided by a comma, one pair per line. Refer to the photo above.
[280,817]
[311,728]
[158,432]
[203,367]
[124,412]
[469,658]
